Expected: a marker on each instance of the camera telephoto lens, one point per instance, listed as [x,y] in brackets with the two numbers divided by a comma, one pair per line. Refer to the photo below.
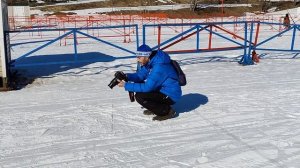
[113,83]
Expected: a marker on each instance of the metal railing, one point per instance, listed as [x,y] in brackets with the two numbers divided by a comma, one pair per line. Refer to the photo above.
[203,35]
[249,39]
[73,32]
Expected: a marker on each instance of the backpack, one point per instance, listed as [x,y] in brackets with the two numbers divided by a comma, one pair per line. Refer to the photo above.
[181,75]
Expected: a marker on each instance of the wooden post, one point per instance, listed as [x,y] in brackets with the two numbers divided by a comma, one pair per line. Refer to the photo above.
[4,44]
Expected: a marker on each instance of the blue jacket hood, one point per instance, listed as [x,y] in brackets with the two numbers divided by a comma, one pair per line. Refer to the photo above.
[160,58]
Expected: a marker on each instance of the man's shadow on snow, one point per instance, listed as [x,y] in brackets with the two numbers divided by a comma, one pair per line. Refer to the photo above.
[190,102]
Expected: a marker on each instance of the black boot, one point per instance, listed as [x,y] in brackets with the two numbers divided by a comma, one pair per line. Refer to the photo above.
[171,114]
[148,112]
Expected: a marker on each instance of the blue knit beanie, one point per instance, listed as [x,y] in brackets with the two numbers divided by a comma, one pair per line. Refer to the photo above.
[143,51]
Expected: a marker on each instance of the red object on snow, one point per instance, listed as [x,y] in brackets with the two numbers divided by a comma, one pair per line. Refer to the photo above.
[255,57]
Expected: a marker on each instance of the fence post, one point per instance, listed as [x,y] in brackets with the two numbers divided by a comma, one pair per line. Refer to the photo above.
[5,57]
[158,36]
[144,34]
[197,45]
[293,38]
[250,40]
[246,59]
[75,45]
[137,36]
[124,29]
[210,36]
[256,36]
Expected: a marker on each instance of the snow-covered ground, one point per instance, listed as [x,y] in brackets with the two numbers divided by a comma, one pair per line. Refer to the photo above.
[112,9]
[89,1]
[71,2]
[230,116]
[223,5]
[294,11]
[138,8]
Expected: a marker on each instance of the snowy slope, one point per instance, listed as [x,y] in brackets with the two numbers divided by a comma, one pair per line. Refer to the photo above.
[112,9]
[230,116]
[138,8]
[74,2]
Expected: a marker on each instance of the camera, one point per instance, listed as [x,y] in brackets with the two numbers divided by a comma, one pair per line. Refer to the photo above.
[119,75]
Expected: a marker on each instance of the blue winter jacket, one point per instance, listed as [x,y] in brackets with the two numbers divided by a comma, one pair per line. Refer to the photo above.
[157,75]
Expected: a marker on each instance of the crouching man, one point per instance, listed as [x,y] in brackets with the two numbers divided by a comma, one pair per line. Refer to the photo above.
[155,83]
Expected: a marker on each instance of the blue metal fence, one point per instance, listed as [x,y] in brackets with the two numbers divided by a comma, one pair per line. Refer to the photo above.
[248,43]
[196,28]
[254,46]
[294,28]
[74,32]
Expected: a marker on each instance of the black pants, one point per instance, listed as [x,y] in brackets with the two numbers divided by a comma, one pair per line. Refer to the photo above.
[156,102]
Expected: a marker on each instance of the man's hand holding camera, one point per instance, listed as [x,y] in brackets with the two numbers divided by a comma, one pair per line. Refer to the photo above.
[120,77]
[121,83]
[120,80]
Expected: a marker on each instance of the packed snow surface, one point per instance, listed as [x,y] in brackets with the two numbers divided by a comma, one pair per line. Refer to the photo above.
[230,116]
